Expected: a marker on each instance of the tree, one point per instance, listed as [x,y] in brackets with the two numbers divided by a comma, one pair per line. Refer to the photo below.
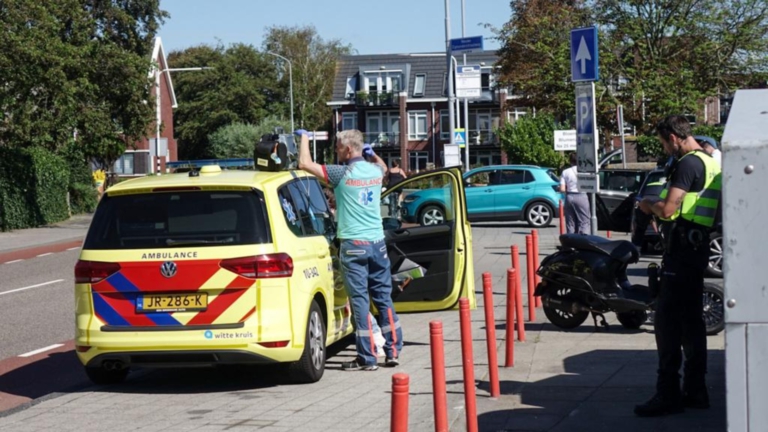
[657,57]
[313,62]
[674,53]
[243,87]
[237,140]
[77,67]
[531,141]
[534,59]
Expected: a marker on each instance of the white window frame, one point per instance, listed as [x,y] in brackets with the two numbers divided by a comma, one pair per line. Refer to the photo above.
[417,115]
[416,156]
[351,87]
[445,133]
[516,113]
[416,92]
[382,80]
[386,118]
[348,116]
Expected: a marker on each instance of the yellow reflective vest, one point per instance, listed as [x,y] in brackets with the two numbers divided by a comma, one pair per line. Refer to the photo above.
[700,207]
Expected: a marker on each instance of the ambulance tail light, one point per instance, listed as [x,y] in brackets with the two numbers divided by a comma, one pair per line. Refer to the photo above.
[91,272]
[260,266]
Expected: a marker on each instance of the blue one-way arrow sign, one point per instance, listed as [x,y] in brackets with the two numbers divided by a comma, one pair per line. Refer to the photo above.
[584,61]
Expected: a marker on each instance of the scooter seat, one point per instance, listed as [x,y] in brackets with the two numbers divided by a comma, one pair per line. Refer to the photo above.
[621,250]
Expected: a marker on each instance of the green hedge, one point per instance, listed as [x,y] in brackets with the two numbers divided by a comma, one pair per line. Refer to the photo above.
[33,188]
[83,196]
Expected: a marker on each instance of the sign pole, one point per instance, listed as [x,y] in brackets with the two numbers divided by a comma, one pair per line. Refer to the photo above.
[466,101]
[620,118]
[451,124]
[314,148]
[585,71]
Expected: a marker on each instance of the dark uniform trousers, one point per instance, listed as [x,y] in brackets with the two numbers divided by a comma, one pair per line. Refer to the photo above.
[679,322]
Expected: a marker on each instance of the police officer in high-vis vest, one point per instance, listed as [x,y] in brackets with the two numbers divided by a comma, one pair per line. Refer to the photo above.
[688,207]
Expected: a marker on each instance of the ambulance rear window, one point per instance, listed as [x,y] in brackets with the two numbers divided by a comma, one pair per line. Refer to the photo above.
[178,219]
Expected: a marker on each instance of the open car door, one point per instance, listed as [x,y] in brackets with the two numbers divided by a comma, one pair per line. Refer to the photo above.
[429,242]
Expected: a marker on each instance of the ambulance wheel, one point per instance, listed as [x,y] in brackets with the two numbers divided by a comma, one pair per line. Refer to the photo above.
[311,365]
[104,376]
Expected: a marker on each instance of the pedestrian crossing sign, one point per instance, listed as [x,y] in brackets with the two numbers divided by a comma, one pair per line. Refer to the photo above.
[459,137]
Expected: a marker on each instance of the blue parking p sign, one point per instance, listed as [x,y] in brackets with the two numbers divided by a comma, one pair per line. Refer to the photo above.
[584,61]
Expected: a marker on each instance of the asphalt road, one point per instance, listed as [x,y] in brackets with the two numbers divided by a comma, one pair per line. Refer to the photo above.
[36,297]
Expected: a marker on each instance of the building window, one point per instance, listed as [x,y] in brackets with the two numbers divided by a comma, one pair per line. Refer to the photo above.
[125,165]
[445,125]
[417,125]
[419,84]
[383,82]
[348,121]
[484,157]
[351,87]
[515,114]
[382,128]
[417,161]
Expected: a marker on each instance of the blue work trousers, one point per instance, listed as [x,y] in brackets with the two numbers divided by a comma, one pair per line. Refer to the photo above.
[367,277]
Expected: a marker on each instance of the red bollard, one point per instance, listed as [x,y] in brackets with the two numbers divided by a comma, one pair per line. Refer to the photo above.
[518,294]
[530,278]
[608,234]
[398,421]
[562,218]
[509,358]
[439,395]
[468,365]
[490,336]
[513,251]
[536,277]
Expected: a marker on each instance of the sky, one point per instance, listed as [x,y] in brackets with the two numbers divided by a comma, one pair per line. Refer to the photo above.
[371,27]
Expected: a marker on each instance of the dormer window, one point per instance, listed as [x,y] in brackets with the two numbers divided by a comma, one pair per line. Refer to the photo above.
[384,82]
[419,85]
[351,87]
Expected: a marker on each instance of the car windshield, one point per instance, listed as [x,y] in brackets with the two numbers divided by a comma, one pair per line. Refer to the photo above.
[174,219]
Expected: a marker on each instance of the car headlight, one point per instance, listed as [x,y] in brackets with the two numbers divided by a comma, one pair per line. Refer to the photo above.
[410,199]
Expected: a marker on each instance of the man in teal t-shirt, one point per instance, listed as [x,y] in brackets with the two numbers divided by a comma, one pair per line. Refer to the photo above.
[363,253]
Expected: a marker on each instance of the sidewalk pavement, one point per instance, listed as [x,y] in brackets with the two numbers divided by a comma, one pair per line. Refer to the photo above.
[580,380]
[74,228]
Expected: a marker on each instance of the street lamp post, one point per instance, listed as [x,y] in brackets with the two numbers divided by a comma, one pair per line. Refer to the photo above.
[290,84]
[159,119]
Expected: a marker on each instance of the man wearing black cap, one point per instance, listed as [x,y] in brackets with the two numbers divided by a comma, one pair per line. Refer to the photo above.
[709,145]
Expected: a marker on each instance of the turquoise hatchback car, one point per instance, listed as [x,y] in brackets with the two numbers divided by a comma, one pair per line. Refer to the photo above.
[494,193]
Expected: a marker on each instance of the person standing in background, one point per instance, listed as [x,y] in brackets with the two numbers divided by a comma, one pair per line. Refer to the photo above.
[394,176]
[709,145]
[577,217]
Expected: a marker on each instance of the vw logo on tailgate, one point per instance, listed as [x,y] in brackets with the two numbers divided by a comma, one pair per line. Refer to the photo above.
[168,269]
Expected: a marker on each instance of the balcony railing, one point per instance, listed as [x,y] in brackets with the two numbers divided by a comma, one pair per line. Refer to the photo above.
[382,139]
[479,137]
[363,98]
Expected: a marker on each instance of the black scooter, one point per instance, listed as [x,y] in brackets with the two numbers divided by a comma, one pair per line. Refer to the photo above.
[588,274]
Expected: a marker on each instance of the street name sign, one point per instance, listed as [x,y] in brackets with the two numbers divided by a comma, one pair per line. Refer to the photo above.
[319,135]
[466,45]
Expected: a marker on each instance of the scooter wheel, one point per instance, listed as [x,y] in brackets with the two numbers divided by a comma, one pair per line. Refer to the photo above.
[632,320]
